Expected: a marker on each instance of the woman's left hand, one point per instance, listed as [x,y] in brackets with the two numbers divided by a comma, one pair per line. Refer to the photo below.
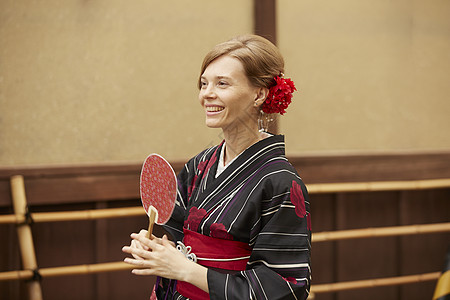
[161,258]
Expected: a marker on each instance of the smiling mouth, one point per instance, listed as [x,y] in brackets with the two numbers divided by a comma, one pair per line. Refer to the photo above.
[214,108]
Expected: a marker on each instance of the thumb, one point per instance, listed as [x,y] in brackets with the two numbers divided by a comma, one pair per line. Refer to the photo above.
[165,240]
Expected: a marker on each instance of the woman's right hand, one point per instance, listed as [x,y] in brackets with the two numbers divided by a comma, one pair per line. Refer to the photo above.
[138,245]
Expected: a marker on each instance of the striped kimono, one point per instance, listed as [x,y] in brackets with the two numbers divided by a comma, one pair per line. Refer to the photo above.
[258,201]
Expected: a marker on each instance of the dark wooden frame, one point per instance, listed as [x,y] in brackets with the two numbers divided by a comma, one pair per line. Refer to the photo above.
[47,185]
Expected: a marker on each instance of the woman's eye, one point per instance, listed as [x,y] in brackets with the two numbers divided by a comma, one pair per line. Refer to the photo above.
[203,84]
[222,83]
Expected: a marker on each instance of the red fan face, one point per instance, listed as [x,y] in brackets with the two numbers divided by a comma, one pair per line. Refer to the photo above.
[158,187]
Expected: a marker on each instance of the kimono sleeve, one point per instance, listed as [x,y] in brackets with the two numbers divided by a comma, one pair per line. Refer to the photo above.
[279,265]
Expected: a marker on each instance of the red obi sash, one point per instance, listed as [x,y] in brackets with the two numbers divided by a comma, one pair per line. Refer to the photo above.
[216,253]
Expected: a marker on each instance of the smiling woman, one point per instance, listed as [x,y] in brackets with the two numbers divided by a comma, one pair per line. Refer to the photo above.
[242,218]
[231,103]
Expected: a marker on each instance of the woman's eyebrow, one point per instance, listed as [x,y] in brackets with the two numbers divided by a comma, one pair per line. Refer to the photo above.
[218,77]
[223,77]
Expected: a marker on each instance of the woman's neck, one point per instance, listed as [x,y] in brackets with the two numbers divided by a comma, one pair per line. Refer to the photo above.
[238,139]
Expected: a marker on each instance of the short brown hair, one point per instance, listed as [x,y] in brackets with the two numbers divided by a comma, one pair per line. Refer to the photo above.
[261,59]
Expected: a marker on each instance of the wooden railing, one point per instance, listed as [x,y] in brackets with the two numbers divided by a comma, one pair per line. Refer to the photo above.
[23,218]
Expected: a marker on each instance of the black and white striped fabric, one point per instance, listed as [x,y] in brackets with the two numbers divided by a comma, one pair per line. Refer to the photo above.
[258,199]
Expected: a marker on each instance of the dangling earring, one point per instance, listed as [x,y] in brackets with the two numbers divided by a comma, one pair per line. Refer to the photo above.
[263,121]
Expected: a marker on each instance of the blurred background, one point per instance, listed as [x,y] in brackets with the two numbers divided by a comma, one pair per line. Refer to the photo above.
[111,81]
[88,88]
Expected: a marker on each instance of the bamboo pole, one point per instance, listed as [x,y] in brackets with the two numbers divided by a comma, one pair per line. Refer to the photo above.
[360,284]
[92,214]
[317,237]
[25,236]
[16,275]
[86,269]
[12,219]
[67,270]
[374,186]
[379,232]
[315,289]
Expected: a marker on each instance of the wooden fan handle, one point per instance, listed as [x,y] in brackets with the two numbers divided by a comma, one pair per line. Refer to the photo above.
[151,221]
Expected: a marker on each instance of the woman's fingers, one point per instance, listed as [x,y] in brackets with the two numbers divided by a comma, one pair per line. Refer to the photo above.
[156,239]
[143,267]
[143,272]
[143,232]
[148,244]
[155,256]
[136,244]
[137,256]
[166,241]
[140,253]
[142,263]
[141,242]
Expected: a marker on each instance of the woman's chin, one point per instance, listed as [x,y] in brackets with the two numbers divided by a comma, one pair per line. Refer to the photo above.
[212,124]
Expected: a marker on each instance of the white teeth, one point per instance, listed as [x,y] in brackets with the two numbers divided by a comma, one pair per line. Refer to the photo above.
[214,108]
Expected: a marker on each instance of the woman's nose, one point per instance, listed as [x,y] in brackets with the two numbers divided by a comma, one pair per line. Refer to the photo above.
[209,91]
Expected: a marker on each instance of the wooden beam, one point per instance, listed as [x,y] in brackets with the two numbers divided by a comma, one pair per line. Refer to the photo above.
[47,185]
[265,26]
[265,19]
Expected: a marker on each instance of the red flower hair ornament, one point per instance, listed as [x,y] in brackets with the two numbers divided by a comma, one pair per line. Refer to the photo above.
[280,96]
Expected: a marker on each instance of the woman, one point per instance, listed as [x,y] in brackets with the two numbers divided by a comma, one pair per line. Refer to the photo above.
[242,220]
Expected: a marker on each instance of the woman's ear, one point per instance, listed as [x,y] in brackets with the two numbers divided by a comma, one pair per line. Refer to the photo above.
[261,96]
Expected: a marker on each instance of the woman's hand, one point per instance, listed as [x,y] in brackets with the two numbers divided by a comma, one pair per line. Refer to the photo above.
[156,256]
[135,244]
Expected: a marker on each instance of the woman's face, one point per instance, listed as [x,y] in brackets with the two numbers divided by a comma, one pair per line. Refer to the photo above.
[227,95]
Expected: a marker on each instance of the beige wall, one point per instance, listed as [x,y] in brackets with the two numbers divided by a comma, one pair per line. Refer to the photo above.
[111,81]
[107,80]
[374,75]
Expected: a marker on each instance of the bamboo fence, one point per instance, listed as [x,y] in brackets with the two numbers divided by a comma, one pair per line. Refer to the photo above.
[376,186]
[25,237]
[21,216]
[369,283]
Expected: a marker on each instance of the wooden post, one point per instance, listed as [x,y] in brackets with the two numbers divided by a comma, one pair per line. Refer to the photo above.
[265,25]
[25,238]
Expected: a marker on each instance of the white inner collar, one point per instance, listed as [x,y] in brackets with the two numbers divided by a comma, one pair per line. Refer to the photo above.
[221,167]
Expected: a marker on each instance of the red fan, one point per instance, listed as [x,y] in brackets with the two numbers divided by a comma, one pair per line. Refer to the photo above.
[158,187]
